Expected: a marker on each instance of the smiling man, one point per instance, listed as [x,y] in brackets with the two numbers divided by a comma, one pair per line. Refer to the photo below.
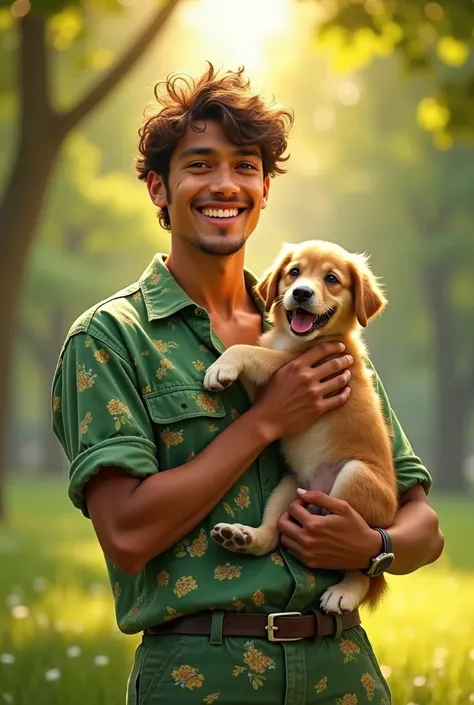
[156,461]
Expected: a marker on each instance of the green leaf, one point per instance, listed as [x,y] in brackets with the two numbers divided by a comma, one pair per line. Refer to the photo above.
[117,425]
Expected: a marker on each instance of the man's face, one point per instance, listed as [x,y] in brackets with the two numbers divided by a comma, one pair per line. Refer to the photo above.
[216,190]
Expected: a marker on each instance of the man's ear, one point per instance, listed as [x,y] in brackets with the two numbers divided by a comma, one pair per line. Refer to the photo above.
[267,287]
[368,295]
[266,191]
[157,189]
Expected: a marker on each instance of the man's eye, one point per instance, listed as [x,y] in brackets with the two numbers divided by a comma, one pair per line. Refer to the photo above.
[198,165]
[247,166]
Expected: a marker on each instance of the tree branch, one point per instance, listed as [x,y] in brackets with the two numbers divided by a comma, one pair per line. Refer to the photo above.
[67,121]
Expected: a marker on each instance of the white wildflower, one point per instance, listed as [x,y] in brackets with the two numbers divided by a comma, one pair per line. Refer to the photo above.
[73,651]
[419,681]
[20,612]
[7,658]
[7,697]
[101,660]
[54,674]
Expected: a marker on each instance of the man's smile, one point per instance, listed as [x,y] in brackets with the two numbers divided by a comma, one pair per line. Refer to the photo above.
[221,214]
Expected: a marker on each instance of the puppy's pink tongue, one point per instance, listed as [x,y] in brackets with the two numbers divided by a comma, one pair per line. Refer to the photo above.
[302,321]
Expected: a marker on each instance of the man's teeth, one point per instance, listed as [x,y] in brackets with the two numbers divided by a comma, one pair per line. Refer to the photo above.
[220,213]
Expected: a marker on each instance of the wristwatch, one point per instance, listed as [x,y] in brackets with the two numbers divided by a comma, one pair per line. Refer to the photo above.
[382,562]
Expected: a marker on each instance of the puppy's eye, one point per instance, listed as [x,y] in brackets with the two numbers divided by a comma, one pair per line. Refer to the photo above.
[331,279]
[294,272]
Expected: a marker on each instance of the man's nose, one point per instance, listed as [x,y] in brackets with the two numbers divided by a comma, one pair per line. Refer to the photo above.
[224,182]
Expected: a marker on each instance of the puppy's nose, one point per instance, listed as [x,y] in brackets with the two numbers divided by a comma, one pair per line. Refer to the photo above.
[302,293]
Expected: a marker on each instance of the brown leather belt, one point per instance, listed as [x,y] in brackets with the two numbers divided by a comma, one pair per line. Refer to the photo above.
[278,626]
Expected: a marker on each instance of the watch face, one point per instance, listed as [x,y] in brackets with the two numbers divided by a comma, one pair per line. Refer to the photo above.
[382,564]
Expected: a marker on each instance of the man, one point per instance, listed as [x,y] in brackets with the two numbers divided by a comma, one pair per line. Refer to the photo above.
[156,461]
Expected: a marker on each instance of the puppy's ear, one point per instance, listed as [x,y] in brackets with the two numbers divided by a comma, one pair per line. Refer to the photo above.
[368,295]
[267,287]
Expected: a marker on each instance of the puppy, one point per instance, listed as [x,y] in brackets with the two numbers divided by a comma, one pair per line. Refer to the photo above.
[316,291]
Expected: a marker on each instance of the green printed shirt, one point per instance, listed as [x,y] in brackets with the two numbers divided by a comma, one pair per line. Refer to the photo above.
[128,391]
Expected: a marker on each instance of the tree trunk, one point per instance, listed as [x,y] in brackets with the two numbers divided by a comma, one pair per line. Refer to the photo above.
[19,213]
[40,135]
[450,430]
[45,349]
[453,393]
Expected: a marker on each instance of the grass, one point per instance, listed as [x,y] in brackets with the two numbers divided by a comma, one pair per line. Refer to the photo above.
[59,643]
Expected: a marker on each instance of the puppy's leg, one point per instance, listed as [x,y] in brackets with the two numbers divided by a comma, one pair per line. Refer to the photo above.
[256,364]
[263,539]
[346,595]
[375,500]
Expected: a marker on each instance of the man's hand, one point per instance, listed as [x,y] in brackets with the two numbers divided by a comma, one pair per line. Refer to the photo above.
[303,390]
[341,540]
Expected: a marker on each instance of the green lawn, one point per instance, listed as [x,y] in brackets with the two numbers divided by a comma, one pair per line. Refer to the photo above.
[59,643]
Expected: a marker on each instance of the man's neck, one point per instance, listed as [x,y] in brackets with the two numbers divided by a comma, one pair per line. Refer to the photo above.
[215,283]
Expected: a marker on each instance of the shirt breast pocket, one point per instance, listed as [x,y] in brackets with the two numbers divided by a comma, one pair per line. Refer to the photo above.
[185,418]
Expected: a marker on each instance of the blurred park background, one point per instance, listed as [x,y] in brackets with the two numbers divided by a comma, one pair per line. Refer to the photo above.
[382,161]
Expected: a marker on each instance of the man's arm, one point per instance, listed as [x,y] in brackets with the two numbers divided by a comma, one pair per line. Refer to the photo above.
[342,540]
[136,521]
[102,422]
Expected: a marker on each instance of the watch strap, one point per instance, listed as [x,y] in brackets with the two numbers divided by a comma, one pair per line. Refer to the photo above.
[387,546]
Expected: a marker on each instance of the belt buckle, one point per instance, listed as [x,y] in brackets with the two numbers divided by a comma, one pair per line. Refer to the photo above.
[271,627]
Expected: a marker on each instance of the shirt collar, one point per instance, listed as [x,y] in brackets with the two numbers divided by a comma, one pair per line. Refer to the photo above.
[164,297]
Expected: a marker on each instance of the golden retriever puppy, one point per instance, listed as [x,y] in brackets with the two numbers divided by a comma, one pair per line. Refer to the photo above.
[316,291]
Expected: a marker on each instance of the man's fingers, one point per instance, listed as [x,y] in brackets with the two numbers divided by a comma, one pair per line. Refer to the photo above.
[336,400]
[288,527]
[320,352]
[300,513]
[338,382]
[320,499]
[292,546]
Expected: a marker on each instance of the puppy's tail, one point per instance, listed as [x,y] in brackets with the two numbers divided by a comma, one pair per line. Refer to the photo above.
[378,589]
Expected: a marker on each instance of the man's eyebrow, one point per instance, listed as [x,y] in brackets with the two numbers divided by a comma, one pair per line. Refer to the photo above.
[209,152]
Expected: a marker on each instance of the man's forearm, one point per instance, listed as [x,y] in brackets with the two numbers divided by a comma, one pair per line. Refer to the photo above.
[416,537]
[166,506]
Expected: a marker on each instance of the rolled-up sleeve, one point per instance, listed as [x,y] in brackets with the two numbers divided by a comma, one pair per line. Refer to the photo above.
[98,414]
[408,466]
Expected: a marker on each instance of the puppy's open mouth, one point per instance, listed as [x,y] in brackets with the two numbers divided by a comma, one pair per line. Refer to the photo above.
[303,322]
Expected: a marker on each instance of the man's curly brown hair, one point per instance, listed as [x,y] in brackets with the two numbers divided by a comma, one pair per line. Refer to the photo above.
[224,97]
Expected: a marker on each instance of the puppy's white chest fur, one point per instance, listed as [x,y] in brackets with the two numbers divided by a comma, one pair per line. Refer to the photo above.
[308,451]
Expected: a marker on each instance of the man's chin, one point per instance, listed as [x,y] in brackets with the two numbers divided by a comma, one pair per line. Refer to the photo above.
[221,245]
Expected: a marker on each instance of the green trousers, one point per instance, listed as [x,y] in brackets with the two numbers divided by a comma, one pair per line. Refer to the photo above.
[187,670]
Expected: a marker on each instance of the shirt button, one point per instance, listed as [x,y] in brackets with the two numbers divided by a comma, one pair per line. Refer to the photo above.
[199,312]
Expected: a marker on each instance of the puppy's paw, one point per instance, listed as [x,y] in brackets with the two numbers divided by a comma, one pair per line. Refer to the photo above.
[234,537]
[220,374]
[340,598]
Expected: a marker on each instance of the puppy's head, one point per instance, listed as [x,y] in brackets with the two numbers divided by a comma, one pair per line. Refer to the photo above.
[318,288]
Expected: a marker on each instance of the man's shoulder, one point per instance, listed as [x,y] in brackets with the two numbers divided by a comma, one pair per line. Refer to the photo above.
[105,318]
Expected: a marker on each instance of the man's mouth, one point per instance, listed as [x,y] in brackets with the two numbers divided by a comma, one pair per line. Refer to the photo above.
[221,215]
[303,322]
